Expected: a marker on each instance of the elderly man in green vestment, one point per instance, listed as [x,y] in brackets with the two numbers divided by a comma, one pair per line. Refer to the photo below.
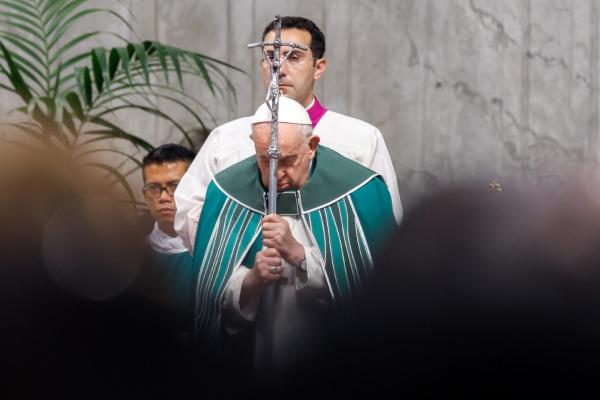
[332,216]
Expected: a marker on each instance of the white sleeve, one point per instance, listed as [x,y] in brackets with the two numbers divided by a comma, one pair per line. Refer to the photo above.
[382,164]
[191,191]
[313,276]
[231,301]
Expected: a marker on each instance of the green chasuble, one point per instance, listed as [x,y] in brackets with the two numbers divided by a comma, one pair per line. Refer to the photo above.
[345,207]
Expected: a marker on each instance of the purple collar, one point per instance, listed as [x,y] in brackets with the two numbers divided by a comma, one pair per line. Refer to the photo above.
[315,112]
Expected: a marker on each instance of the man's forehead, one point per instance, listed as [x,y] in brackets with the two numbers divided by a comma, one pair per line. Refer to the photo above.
[166,169]
[292,35]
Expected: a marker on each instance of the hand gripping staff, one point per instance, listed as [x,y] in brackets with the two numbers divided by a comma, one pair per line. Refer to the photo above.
[272,100]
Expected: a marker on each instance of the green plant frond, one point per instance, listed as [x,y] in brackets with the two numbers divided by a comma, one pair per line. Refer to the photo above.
[186,98]
[22,7]
[223,94]
[75,103]
[69,122]
[27,46]
[60,132]
[80,39]
[8,88]
[85,84]
[126,174]
[107,150]
[118,176]
[162,58]
[202,68]
[100,68]
[73,75]
[100,135]
[23,28]
[24,68]
[163,96]
[57,81]
[150,110]
[212,61]
[33,103]
[118,168]
[227,82]
[15,77]
[28,128]
[120,133]
[153,68]
[63,28]
[142,59]
[174,54]
[22,18]
[114,59]
[125,62]
[47,125]
[46,9]
[56,15]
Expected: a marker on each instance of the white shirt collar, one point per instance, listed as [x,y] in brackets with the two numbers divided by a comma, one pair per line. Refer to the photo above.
[163,243]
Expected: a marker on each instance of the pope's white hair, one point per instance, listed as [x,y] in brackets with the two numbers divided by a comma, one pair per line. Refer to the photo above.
[305,130]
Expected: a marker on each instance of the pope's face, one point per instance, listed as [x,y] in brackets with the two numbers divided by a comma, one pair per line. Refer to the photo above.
[163,177]
[297,75]
[293,167]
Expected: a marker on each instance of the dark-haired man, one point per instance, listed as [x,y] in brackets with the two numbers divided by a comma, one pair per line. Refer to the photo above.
[162,169]
[229,143]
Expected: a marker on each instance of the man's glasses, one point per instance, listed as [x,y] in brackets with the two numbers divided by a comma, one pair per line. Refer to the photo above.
[155,189]
[295,58]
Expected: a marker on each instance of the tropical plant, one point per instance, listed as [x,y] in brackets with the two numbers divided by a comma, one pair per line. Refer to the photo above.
[71,91]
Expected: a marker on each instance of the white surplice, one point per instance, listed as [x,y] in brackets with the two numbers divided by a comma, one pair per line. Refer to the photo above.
[231,143]
[302,299]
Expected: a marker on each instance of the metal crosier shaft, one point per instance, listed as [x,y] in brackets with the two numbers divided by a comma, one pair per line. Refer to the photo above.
[272,100]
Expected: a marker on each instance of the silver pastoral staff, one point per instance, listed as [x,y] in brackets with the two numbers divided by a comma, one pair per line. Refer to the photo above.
[273,153]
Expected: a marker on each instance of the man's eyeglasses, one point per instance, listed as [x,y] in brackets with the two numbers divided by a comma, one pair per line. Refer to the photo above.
[155,189]
[295,58]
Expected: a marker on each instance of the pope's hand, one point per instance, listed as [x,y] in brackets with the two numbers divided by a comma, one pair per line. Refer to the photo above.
[266,269]
[277,235]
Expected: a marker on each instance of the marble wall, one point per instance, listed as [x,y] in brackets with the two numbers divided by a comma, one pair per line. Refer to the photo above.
[461,89]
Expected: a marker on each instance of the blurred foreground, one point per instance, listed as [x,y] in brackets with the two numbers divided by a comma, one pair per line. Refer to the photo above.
[479,293]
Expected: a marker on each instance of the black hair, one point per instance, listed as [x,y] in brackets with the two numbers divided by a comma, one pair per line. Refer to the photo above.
[169,152]
[317,39]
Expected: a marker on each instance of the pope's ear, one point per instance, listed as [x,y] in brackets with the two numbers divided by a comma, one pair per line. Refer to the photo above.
[313,141]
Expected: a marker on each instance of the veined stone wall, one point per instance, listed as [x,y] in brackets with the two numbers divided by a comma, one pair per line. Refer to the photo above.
[461,89]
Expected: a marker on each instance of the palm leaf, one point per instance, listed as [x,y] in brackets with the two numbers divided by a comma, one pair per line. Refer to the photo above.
[21,64]
[73,100]
[63,27]
[175,54]
[85,84]
[21,17]
[22,7]
[163,96]
[119,177]
[150,110]
[119,133]
[162,58]
[200,64]
[77,40]
[107,150]
[28,47]
[140,53]
[14,76]
[100,68]
[24,28]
